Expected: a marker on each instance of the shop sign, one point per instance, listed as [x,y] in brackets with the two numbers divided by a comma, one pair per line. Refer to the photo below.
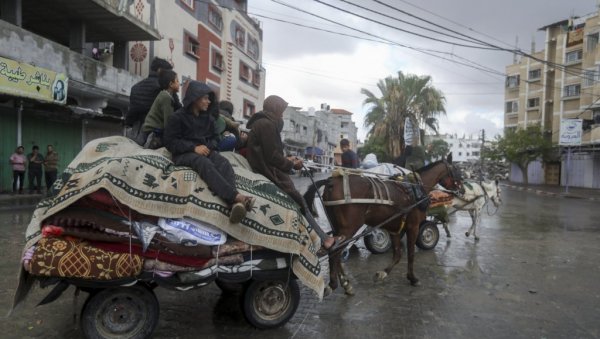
[24,80]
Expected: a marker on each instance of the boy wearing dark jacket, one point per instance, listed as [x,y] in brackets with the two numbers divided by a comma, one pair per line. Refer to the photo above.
[190,137]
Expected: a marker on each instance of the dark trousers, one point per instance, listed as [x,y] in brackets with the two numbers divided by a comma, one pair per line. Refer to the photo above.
[215,170]
[35,174]
[285,183]
[50,177]
[20,177]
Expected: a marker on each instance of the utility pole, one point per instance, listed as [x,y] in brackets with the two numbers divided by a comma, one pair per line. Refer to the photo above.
[481,158]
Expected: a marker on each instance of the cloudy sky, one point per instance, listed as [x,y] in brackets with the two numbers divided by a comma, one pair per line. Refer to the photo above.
[309,67]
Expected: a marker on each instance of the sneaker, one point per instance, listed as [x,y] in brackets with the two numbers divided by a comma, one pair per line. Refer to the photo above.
[238,212]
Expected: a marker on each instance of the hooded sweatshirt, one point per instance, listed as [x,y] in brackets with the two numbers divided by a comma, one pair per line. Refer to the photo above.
[265,148]
[184,130]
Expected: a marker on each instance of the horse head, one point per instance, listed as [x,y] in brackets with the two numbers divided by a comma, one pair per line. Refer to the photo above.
[452,180]
[493,191]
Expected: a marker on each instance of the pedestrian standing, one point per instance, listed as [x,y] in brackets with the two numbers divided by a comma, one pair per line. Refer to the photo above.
[17,162]
[50,167]
[35,160]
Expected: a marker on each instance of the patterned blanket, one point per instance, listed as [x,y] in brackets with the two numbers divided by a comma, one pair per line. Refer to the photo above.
[149,183]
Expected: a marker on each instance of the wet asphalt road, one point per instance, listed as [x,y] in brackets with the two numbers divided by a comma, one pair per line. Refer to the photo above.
[535,273]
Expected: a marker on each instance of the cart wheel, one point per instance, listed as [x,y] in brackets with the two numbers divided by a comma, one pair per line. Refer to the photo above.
[379,241]
[270,303]
[229,287]
[122,312]
[429,235]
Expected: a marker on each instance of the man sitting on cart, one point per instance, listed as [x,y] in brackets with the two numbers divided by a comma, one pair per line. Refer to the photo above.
[190,137]
[265,156]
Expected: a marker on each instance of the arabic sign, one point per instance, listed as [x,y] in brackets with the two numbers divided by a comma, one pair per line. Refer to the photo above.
[570,132]
[28,81]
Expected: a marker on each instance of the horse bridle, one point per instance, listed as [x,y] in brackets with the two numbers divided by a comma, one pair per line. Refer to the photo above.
[450,173]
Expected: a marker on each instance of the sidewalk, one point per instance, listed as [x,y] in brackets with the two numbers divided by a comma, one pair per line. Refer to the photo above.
[556,191]
[10,201]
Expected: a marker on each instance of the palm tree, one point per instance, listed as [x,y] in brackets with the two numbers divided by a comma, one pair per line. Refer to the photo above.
[407,96]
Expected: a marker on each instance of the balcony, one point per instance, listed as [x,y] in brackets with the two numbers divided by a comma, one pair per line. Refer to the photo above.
[92,84]
[105,20]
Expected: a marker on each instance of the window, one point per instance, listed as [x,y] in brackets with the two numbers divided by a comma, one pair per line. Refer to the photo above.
[574,56]
[533,102]
[256,78]
[253,47]
[217,61]
[191,45]
[592,42]
[572,90]
[475,154]
[304,130]
[189,3]
[512,106]
[596,116]
[589,76]
[512,81]
[240,36]
[244,72]
[459,153]
[249,108]
[535,74]
[215,18]
[467,154]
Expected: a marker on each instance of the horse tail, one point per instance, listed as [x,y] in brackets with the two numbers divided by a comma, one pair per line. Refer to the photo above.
[309,196]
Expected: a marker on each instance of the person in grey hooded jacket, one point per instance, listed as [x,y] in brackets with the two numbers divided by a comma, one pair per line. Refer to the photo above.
[190,137]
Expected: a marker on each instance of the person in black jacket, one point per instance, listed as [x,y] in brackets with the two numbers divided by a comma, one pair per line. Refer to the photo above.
[191,138]
[142,97]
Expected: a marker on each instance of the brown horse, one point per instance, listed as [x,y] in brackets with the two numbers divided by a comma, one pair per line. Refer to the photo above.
[396,206]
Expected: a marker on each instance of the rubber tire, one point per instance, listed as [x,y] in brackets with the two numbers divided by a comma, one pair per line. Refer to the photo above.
[98,305]
[260,320]
[229,288]
[379,241]
[429,235]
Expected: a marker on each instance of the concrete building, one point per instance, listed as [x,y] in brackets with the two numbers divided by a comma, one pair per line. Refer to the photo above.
[561,81]
[463,149]
[64,77]
[316,134]
[213,41]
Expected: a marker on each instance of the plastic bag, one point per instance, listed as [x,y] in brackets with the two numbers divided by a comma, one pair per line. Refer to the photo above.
[191,232]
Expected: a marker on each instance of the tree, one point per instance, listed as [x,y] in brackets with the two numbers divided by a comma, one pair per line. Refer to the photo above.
[522,146]
[406,96]
[376,146]
[437,149]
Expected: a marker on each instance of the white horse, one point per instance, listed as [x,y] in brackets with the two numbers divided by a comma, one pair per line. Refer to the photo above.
[476,196]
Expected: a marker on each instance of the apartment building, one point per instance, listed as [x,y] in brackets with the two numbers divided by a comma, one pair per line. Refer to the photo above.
[214,41]
[316,134]
[562,81]
[463,149]
[64,78]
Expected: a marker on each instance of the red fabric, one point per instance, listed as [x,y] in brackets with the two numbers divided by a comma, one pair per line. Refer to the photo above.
[52,231]
[102,200]
[152,254]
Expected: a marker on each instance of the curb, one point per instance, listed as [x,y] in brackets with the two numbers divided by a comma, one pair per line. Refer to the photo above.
[549,194]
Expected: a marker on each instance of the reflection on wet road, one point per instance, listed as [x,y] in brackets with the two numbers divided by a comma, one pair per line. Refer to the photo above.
[534,273]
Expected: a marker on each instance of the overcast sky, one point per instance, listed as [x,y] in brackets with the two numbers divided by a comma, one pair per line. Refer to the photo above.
[309,67]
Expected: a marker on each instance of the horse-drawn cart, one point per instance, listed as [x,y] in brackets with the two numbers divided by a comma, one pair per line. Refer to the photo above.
[122,221]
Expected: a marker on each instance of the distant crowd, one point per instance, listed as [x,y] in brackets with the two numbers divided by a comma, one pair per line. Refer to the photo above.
[35,165]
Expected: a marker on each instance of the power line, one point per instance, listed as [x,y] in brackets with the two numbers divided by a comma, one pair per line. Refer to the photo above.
[390,41]
[403,21]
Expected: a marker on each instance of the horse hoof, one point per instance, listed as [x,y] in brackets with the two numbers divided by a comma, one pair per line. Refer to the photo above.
[476,238]
[467,234]
[448,235]
[327,291]
[413,281]
[380,276]
[349,290]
